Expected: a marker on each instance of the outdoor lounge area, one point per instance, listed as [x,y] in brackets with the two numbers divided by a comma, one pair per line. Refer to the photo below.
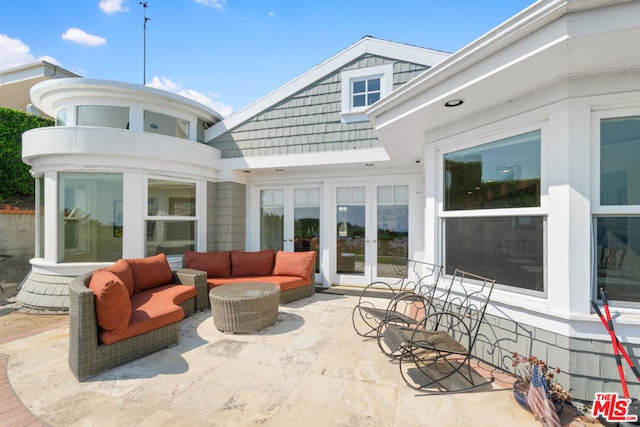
[310,368]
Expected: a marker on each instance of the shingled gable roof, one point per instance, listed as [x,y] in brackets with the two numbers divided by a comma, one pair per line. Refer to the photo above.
[366,45]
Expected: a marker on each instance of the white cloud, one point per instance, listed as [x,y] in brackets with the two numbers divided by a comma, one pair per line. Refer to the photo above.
[76,35]
[112,6]
[271,14]
[164,83]
[216,4]
[13,53]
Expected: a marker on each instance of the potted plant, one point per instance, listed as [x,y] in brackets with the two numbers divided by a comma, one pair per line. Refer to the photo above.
[523,369]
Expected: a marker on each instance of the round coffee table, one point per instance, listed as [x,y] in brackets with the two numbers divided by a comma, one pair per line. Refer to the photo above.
[244,307]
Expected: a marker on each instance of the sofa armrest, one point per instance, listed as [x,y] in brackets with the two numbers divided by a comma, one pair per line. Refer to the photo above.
[83,326]
[197,278]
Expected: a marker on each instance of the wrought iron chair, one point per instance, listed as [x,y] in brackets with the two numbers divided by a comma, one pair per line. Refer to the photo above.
[410,298]
[435,354]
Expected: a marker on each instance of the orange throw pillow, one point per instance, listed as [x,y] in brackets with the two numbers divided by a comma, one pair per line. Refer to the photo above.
[252,263]
[113,305]
[298,264]
[150,272]
[122,269]
[216,264]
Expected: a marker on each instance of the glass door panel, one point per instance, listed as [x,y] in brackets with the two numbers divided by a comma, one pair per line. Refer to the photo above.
[306,221]
[392,230]
[351,230]
[272,219]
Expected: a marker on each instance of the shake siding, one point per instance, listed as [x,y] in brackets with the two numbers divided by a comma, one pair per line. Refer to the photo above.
[309,121]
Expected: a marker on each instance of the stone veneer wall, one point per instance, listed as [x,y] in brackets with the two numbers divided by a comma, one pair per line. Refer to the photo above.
[226,222]
[588,366]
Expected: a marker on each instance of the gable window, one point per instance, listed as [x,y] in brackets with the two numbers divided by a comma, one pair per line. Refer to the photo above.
[361,88]
[365,92]
[492,221]
[617,215]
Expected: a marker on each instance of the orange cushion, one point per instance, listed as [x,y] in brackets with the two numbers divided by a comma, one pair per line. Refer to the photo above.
[113,306]
[284,282]
[216,264]
[150,272]
[252,263]
[299,264]
[122,269]
[151,310]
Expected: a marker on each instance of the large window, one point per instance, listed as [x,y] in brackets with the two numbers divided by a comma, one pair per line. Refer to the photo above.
[617,218]
[103,116]
[90,217]
[165,125]
[489,227]
[171,217]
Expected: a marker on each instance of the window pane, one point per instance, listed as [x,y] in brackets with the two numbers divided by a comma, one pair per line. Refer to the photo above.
[372,97]
[170,237]
[357,195]
[401,193]
[508,249]
[501,174]
[385,194]
[61,117]
[358,101]
[373,85]
[350,239]
[617,255]
[271,219]
[165,125]
[90,217]
[359,87]
[619,151]
[393,239]
[171,198]
[104,116]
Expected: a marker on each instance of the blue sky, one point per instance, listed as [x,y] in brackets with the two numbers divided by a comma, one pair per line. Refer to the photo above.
[228,53]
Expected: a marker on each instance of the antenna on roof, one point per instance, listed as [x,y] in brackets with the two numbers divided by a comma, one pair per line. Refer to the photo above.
[144,46]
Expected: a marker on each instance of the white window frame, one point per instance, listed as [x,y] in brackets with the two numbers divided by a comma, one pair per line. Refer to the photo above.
[599,210]
[459,143]
[357,114]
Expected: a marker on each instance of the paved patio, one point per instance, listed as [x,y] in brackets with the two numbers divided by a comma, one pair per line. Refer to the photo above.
[309,369]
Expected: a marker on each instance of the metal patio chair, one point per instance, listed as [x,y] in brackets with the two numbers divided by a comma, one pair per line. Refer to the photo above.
[410,298]
[435,354]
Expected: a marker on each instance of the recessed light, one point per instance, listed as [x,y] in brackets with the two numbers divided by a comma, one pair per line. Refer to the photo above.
[454,102]
[154,126]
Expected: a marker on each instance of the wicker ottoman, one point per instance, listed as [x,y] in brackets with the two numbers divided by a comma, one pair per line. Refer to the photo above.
[244,307]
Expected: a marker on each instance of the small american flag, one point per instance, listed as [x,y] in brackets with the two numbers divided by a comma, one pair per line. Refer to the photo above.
[539,401]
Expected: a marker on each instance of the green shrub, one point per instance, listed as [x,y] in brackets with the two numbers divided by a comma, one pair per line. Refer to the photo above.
[16,181]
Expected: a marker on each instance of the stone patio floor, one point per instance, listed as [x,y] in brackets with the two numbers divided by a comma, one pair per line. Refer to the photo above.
[309,369]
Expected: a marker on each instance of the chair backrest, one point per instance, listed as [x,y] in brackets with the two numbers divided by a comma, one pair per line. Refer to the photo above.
[468,296]
[421,278]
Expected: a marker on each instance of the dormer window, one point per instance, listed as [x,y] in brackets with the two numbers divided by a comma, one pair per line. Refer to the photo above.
[363,87]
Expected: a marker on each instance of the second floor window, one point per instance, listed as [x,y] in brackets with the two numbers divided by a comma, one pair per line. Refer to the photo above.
[365,92]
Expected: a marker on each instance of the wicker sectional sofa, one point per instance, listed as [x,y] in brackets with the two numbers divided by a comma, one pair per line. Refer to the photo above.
[292,272]
[128,310]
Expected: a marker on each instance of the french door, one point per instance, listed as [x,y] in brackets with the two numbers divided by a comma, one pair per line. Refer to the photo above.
[372,232]
[290,219]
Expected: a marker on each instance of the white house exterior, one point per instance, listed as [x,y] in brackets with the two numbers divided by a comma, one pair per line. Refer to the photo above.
[527,176]
[551,98]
